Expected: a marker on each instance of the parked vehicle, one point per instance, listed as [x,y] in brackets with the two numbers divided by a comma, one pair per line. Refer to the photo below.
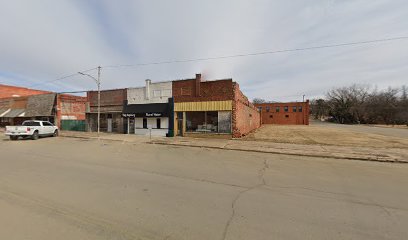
[32,129]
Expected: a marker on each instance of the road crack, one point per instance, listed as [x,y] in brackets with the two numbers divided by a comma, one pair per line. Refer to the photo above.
[261,175]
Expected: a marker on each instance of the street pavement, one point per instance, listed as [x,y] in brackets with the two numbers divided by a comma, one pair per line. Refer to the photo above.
[78,188]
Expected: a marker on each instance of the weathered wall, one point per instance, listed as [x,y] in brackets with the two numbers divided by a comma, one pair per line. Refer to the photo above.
[245,116]
[193,90]
[111,100]
[7,91]
[70,107]
[158,93]
[290,117]
[41,105]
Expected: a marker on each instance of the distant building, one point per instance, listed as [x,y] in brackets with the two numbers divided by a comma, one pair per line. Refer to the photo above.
[23,104]
[285,113]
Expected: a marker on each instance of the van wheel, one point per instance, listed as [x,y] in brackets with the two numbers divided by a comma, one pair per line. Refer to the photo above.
[35,135]
[13,138]
[55,133]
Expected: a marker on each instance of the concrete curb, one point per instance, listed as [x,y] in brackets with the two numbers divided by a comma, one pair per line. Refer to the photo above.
[101,138]
[291,154]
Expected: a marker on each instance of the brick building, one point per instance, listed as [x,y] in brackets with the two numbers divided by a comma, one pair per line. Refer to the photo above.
[289,113]
[7,91]
[18,104]
[71,112]
[212,107]
[111,111]
[52,107]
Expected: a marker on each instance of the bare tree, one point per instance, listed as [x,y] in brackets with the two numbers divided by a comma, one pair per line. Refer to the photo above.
[258,100]
[346,104]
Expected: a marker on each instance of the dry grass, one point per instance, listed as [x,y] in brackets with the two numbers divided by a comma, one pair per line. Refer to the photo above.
[316,134]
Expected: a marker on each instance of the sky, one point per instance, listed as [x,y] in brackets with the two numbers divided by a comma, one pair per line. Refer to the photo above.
[44,40]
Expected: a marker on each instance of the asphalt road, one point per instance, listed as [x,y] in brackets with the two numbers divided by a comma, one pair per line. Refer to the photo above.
[61,188]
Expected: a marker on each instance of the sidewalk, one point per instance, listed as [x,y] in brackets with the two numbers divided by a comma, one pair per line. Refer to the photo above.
[109,136]
[339,152]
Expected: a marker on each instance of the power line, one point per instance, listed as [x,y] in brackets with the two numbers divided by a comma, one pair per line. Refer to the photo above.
[258,53]
[231,56]
[61,78]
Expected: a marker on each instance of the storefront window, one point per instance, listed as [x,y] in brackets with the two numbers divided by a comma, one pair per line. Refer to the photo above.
[202,122]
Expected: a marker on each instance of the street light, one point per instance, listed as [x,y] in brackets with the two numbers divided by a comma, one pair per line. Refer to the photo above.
[98,83]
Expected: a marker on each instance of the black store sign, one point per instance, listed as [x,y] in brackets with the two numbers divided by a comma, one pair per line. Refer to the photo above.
[146,110]
[126,115]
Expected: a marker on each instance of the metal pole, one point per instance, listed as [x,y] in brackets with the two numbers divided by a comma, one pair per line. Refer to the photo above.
[99,97]
[303,98]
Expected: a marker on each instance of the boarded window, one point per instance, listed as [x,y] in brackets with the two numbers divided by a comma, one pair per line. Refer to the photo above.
[186,91]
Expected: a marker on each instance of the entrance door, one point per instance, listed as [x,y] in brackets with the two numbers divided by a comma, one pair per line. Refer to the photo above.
[109,124]
[179,123]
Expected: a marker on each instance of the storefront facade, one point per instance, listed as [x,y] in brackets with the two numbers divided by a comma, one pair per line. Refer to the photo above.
[203,117]
[215,107]
[111,109]
[149,110]
[203,107]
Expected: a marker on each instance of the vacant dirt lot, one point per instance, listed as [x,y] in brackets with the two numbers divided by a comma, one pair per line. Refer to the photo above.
[333,134]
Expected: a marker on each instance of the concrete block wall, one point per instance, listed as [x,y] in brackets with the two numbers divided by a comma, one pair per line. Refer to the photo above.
[245,116]
[157,93]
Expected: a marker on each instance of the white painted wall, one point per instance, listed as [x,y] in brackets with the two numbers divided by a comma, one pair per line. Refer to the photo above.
[159,93]
[139,130]
[152,121]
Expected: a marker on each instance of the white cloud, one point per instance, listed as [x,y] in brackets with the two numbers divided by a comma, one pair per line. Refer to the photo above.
[45,39]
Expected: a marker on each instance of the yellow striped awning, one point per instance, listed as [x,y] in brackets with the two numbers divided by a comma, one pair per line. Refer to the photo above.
[203,106]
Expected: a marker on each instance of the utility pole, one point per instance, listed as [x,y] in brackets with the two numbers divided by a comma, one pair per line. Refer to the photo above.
[99,98]
[98,83]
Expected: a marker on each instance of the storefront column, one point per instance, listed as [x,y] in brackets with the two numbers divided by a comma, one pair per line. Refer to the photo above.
[184,124]
[128,125]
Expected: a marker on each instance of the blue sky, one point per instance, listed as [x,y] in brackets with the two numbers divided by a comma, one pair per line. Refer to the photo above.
[45,39]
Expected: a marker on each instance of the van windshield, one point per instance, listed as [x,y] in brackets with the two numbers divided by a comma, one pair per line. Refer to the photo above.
[31,123]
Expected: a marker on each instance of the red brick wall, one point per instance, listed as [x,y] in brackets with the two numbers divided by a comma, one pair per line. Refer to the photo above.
[19,103]
[193,90]
[70,106]
[7,91]
[111,100]
[245,116]
[285,118]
